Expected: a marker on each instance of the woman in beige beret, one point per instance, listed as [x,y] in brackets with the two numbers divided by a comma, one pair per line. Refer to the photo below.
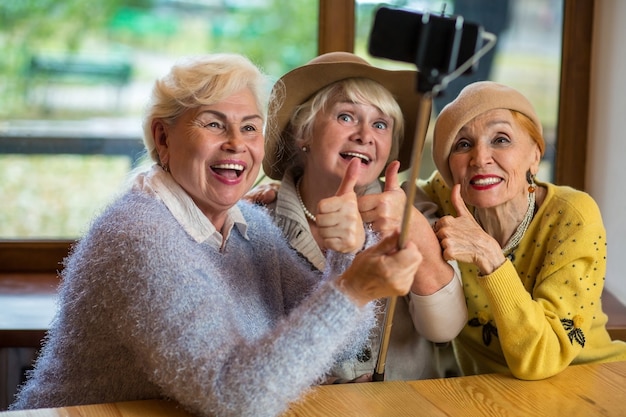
[532,254]
[340,125]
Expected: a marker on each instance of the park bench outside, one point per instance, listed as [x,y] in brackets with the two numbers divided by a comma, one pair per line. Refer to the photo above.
[46,71]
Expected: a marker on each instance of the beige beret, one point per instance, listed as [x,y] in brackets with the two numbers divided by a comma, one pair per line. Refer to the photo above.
[473,100]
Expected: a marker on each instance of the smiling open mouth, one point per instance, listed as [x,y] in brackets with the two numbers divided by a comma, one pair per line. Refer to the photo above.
[228,170]
[349,155]
[486,181]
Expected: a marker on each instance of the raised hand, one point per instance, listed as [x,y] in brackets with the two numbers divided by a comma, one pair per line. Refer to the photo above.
[463,239]
[381,271]
[263,194]
[384,211]
[339,222]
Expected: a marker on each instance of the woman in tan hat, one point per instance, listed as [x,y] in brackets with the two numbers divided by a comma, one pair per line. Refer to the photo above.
[532,254]
[337,123]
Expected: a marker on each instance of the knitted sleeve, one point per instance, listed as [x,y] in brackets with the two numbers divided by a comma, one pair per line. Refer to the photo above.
[148,312]
[198,344]
[359,334]
[544,312]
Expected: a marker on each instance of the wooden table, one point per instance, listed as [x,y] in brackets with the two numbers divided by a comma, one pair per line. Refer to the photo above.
[149,408]
[583,390]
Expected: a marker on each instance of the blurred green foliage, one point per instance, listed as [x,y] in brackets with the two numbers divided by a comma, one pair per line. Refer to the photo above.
[54,196]
[278,35]
[42,200]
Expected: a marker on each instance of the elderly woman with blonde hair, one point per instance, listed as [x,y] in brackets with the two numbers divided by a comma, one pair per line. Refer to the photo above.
[181,291]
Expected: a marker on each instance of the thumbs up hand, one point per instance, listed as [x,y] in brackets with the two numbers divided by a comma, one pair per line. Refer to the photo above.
[339,222]
[384,211]
[463,239]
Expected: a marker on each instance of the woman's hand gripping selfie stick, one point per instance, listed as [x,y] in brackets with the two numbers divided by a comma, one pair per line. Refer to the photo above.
[423,118]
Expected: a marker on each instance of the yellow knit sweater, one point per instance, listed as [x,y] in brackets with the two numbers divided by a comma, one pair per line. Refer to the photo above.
[541,310]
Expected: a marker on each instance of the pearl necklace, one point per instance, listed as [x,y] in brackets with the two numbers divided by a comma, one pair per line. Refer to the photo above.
[307,213]
[514,240]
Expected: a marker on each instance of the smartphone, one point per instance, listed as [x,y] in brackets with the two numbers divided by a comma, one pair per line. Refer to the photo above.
[437,45]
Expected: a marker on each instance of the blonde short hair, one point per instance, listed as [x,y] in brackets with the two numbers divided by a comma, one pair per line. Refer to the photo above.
[199,81]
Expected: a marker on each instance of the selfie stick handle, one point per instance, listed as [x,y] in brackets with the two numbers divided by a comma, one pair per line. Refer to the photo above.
[423,117]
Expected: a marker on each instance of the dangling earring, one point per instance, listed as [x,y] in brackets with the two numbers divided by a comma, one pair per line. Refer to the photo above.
[531,182]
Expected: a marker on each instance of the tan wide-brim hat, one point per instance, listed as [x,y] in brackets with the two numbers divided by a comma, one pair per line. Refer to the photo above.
[474,100]
[303,82]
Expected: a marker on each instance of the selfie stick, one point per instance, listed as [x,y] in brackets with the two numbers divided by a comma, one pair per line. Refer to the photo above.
[423,118]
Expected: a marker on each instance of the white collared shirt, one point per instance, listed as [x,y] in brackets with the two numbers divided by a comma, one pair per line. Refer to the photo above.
[162,186]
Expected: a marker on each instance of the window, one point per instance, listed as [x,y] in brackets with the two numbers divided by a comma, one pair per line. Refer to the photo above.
[74,78]
[150,34]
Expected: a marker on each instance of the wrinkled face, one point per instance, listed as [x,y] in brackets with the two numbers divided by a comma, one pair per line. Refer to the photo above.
[490,157]
[345,131]
[214,152]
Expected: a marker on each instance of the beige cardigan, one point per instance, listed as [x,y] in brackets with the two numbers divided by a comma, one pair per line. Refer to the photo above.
[417,319]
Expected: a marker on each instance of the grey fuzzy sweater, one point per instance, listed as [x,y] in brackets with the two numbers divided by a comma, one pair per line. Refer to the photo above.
[147,312]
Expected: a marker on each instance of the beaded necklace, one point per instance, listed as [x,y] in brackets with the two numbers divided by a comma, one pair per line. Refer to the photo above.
[307,213]
[515,239]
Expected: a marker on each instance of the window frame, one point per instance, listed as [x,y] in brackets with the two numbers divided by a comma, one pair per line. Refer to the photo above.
[573,115]
[336,33]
